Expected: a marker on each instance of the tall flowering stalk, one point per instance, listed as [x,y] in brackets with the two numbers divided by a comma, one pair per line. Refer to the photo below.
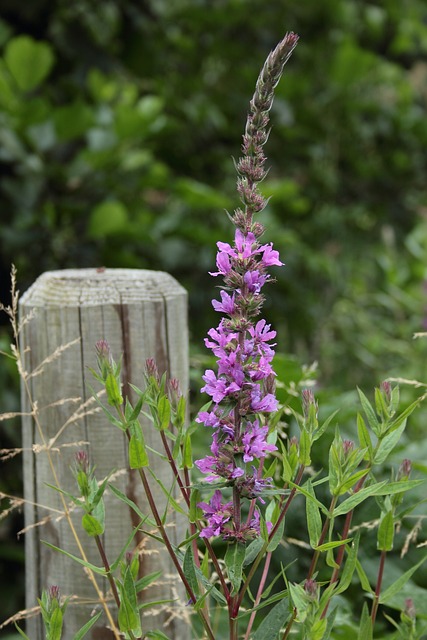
[242,388]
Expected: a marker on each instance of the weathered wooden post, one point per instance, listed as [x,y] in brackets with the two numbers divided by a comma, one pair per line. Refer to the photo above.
[141,314]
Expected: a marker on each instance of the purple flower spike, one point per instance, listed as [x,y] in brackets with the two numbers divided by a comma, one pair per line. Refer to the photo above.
[243,386]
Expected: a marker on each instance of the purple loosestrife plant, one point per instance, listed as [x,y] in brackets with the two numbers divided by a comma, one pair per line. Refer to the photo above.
[242,416]
[242,388]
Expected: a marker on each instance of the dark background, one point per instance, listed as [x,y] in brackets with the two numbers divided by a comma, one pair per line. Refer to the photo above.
[118,124]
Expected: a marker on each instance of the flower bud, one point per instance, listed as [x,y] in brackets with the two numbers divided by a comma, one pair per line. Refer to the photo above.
[308,400]
[310,588]
[151,369]
[410,610]
[385,388]
[347,447]
[103,354]
[404,470]
[82,461]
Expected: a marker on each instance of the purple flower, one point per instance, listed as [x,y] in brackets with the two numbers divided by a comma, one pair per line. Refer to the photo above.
[223,264]
[218,388]
[254,281]
[226,305]
[254,442]
[217,515]
[270,256]
[219,468]
[264,404]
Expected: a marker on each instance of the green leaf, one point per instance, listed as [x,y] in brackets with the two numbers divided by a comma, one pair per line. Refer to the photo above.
[385,534]
[99,570]
[369,412]
[273,622]
[364,437]
[354,500]
[91,525]
[277,537]
[387,444]
[187,455]
[83,631]
[55,626]
[332,545]
[252,550]
[128,616]
[168,494]
[234,558]
[314,520]
[365,627]
[400,582]
[350,482]
[138,456]
[195,513]
[189,569]
[304,448]
[112,387]
[131,504]
[349,566]
[364,580]
[145,581]
[29,61]
[163,413]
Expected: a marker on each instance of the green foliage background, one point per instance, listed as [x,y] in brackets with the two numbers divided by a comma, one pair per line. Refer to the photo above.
[118,124]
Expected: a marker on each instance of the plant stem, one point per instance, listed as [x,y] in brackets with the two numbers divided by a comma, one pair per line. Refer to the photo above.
[183,489]
[376,600]
[259,593]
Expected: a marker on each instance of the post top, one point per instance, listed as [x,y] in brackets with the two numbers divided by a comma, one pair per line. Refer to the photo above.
[93,287]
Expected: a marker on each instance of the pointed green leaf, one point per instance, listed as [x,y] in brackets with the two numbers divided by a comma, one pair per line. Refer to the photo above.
[138,457]
[274,621]
[253,549]
[364,437]
[369,412]
[364,580]
[314,520]
[168,493]
[304,448]
[131,504]
[400,582]
[88,565]
[55,626]
[350,482]
[83,631]
[128,616]
[163,413]
[145,581]
[354,500]
[321,430]
[332,545]
[387,444]
[91,525]
[385,534]
[189,569]
[397,422]
[187,455]
[365,627]
[277,537]
[349,566]
[233,559]
[195,513]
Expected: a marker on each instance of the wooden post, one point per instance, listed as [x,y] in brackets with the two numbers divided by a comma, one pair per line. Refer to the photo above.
[141,314]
